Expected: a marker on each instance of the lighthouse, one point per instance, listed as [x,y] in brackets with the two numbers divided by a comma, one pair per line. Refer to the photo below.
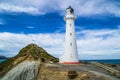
[70,55]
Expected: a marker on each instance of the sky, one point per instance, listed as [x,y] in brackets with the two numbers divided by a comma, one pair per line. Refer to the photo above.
[41,22]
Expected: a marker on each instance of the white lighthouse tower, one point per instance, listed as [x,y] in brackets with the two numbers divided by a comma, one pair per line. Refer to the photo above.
[70,55]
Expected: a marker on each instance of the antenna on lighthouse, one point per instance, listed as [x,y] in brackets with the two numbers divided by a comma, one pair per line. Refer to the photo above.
[70,55]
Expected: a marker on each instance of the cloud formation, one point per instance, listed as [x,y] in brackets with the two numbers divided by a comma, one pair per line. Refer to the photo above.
[11,43]
[92,44]
[30,27]
[99,43]
[82,7]
[6,7]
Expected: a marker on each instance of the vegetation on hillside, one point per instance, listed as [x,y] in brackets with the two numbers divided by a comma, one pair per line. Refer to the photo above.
[30,52]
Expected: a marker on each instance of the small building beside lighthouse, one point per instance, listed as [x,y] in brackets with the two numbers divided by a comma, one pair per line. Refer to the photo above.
[70,55]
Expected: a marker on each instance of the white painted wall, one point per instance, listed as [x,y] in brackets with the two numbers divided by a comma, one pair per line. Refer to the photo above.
[70,53]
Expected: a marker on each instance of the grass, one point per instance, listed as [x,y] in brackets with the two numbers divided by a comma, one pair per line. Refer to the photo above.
[36,53]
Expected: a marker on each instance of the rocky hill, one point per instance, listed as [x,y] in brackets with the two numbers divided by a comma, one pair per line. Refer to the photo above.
[3,57]
[31,53]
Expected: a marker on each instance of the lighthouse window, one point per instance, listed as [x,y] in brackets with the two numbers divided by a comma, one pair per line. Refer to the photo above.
[71,44]
[70,34]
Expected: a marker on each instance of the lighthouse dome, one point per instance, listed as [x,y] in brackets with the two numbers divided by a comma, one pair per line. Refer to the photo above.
[70,10]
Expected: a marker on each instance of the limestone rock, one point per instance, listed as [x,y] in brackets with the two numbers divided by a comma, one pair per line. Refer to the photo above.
[24,71]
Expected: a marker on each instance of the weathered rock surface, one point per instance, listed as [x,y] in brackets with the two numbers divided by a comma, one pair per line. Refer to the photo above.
[65,72]
[31,52]
[26,70]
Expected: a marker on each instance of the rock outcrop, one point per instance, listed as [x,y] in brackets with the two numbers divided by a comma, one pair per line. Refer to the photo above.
[27,70]
[29,53]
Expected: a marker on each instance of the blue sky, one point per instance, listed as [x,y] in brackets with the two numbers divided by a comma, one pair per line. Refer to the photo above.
[41,22]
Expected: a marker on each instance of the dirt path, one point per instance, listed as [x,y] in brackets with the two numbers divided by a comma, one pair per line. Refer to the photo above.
[96,71]
[106,76]
[90,68]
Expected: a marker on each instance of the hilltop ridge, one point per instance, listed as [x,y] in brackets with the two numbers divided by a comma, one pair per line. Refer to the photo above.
[3,57]
[31,52]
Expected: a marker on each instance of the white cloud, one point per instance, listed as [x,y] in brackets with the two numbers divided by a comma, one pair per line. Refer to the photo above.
[5,7]
[11,43]
[82,7]
[100,42]
[30,27]
[92,44]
